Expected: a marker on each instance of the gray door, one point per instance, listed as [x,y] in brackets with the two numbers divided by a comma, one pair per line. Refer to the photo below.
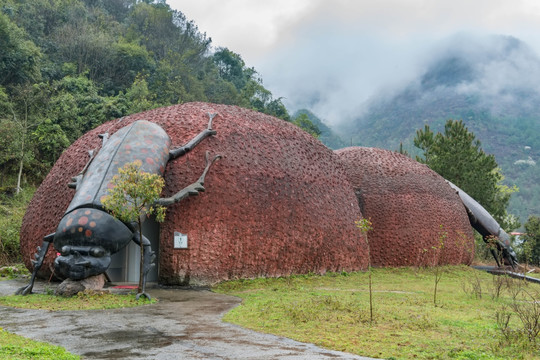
[125,263]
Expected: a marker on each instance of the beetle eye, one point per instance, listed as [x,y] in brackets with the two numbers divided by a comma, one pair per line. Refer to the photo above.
[97,252]
[66,250]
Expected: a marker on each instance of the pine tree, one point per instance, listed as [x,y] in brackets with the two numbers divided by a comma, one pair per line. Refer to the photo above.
[457,156]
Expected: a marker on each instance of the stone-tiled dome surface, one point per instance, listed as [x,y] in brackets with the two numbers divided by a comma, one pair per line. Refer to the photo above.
[279,202]
[411,208]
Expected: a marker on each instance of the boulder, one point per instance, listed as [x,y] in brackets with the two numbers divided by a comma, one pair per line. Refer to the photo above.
[70,287]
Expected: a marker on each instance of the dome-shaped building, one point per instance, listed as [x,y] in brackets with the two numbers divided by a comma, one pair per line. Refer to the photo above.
[278,202]
[418,219]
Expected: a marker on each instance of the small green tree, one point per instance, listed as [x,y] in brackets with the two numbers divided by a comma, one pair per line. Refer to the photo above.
[439,248]
[531,241]
[132,198]
[365,225]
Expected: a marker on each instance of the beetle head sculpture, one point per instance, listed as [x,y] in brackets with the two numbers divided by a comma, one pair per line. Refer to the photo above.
[86,238]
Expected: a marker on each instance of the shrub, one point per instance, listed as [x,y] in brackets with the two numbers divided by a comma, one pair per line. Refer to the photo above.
[12,209]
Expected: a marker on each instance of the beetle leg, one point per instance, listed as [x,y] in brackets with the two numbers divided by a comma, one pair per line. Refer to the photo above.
[40,256]
[495,257]
[78,178]
[104,138]
[92,154]
[148,262]
[174,153]
[190,190]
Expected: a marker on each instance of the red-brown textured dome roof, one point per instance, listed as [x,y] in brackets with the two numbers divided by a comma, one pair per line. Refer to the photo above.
[411,208]
[279,202]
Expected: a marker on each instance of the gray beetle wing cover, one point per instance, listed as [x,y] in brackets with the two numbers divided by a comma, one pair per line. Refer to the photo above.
[142,140]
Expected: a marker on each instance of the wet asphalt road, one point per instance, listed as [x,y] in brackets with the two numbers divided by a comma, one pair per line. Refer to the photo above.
[185,324]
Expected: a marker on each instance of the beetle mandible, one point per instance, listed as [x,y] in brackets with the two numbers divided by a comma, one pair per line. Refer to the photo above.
[87,235]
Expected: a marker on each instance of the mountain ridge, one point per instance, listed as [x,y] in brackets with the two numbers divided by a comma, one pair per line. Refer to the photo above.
[491,83]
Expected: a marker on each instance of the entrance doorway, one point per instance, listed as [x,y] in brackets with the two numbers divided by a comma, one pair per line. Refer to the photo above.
[125,264]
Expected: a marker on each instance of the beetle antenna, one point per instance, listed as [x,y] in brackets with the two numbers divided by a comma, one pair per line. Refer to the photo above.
[211,116]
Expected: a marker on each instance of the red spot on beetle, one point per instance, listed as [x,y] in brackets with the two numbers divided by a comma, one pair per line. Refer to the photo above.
[83,220]
[88,233]
[150,161]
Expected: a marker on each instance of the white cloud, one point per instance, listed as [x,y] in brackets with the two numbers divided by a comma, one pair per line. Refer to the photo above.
[528,162]
[344,51]
[247,27]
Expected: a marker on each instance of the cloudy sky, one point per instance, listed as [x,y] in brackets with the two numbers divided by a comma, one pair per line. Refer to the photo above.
[332,56]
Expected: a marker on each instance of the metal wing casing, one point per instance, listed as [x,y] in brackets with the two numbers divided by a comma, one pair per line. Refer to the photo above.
[485,224]
[141,140]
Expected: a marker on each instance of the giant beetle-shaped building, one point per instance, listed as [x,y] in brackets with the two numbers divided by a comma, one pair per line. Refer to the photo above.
[278,203]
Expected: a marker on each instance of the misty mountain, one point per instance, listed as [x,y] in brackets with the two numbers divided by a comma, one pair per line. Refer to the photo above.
[493,85]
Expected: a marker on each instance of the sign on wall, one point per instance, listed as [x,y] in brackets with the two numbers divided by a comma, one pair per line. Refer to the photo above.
[180,240]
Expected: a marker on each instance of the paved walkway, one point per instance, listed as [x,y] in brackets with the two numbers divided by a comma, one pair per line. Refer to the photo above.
[184,324]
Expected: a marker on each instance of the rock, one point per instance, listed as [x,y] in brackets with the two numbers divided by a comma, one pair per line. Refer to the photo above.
[72,287]
[69,288]
[94,283]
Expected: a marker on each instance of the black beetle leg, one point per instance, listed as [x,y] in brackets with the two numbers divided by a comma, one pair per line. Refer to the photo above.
[40,256]
[190,190]
[148,262]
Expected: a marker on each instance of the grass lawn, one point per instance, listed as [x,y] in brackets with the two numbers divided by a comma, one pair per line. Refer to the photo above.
[333,311]
[81,301]
[17,347]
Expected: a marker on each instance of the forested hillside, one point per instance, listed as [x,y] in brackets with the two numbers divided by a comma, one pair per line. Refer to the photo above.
[67,66]
[493,85]
[327,136]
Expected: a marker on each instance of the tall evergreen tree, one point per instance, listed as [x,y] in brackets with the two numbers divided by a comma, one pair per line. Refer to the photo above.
[457,156]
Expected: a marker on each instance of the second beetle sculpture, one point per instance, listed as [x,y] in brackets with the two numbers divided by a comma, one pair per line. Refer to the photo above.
[87,235]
